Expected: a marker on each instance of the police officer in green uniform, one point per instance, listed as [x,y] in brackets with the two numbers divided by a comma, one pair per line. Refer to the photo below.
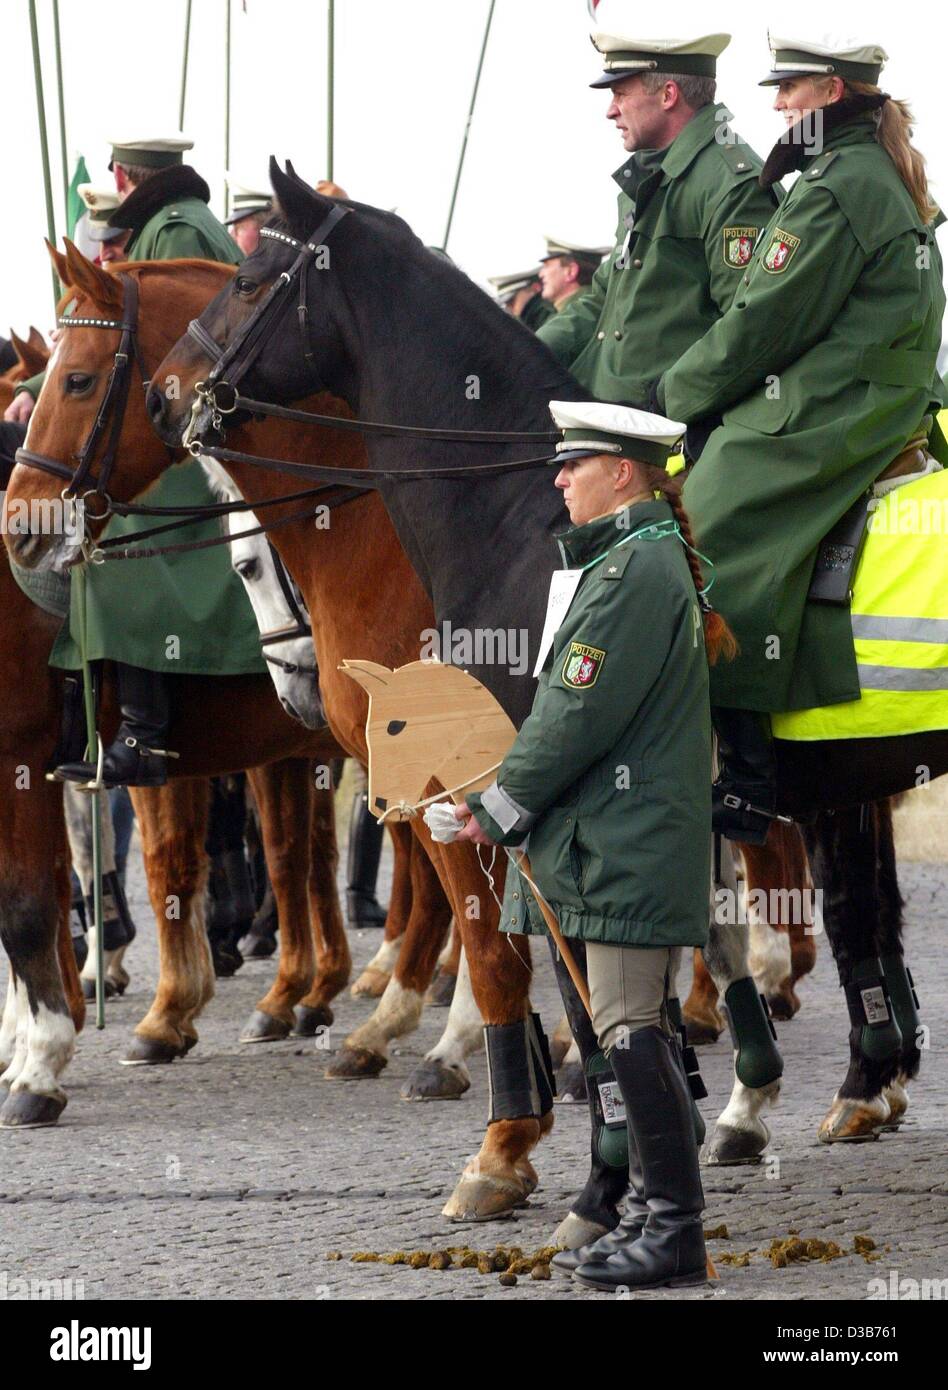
[824,370]
[567,269]
[519,293]
[690,213]
[610,778]
[164,206]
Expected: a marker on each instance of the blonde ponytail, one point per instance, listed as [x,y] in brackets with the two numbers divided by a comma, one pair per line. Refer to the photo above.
[894,134]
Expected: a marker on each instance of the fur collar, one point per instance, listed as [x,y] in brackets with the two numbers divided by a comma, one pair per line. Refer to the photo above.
[167,186]
[791,153]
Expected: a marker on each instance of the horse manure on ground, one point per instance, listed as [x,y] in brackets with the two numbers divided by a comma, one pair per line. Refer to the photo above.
[794,1249]
[507,1261]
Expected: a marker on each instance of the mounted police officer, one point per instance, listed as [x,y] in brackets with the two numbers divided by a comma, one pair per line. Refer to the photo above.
[108,242]
[250,208]
[566,269]
[825,372]
[690,213]
[610,777]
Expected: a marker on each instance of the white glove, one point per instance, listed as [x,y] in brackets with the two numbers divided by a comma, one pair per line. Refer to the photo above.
[442,822]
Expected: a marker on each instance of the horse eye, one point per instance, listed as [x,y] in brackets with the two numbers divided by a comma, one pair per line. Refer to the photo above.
[395,726]
[244,286]
[79,382]
[247,569]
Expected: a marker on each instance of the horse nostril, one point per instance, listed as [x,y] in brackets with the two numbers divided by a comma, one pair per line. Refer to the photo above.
[155,404]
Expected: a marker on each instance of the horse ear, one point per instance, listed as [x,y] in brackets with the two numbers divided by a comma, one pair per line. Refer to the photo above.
[33,357]
[97,283]
[59,262]
[36,340]
[299,205]
[369,674]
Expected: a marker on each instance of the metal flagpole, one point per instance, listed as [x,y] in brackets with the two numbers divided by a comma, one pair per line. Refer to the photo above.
[467,128]
[184,65]
[44,143]
[227,108]
[62,111]
[330,87]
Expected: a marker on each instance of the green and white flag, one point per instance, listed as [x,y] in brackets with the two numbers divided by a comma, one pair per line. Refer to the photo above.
[75,207]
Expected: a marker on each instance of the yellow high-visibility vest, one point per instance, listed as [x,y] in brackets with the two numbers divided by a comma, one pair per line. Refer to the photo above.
[900,624]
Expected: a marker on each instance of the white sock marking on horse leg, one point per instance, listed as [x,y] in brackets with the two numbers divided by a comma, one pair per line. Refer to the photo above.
[8,1026]
[445,955]
[464,1030]
[386,957]
[21,1040]
[51,1043]
[573,1054]
[398,1012]
[769,954]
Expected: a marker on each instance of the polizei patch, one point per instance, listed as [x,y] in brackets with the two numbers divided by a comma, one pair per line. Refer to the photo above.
[780,251]
[739,243]
[582,665]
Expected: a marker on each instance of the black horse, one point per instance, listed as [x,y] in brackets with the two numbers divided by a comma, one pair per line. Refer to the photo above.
[407,339]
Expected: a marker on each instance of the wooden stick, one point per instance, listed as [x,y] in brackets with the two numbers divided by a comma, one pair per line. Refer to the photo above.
[582,988]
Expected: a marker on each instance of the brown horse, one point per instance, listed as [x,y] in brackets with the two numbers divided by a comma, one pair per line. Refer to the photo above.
[352,613]
[32,356]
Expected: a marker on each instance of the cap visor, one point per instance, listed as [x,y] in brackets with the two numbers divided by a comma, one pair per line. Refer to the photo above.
[570,455]
[609,79]
[105,233]
[773,79]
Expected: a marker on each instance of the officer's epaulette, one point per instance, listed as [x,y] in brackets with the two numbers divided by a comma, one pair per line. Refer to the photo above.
[739,159]
[613,567]
[820,164]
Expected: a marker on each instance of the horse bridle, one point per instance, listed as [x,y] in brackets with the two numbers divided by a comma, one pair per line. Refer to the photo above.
[300,627]
[111,413]
[242,351]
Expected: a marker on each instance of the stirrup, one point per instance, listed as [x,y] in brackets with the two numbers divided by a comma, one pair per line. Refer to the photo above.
[735,803]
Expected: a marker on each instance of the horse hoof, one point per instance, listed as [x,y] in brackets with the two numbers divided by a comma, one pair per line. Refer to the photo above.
[730,1147]
[485,1198]
[88,989]
[701,1032]
[370,984]
[432,1080]
[26,1110]
[574,1231]
[781,1007]
[897,1097]
[355,1064]
[152,1052]
[261,1027]
[257,946]
[854,1121]
[570,1083]
[309,1021]
[441,990]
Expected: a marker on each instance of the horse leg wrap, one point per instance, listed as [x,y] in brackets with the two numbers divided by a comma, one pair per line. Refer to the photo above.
[902,995]
[518,1076]
[118,929]
[758,1060]
[688,1060]
[871,1011]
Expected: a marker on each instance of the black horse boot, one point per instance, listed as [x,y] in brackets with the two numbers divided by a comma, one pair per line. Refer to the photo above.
[670,1250]
[138,756]
[744,797]
[363,908]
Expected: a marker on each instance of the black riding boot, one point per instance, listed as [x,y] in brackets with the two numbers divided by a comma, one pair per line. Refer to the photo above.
[365,849]
[670,1250]
[630,1226]
[744,797]
[138,755]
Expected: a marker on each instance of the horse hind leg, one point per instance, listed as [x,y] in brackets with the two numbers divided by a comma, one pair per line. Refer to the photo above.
[844,855]
[78,807]
[442,987]
[779,913]
[377,973]
[740,1134]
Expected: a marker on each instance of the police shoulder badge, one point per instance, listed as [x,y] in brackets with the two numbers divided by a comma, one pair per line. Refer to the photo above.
[739,243]
[780,251]
[582,665]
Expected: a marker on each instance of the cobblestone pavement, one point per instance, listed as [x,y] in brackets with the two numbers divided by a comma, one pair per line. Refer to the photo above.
[234,1172]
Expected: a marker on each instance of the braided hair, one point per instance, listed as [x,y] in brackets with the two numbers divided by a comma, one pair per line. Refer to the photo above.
[719,640]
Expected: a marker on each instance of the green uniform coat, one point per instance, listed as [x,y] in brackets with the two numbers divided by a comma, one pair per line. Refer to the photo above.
[695,211]
[614,759]
[185,227]
[824,368]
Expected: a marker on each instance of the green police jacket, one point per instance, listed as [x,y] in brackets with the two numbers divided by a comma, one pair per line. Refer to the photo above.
[824,368]
[611,770]
[185,227]
[689,218]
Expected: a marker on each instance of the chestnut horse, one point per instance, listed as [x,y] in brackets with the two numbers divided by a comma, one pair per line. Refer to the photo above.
[32,356]
[352,613]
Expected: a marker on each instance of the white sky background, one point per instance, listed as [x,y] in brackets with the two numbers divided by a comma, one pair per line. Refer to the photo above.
[540,153]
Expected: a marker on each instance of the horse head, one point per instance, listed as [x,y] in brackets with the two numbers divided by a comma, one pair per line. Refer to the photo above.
[428,721]
[42,530]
